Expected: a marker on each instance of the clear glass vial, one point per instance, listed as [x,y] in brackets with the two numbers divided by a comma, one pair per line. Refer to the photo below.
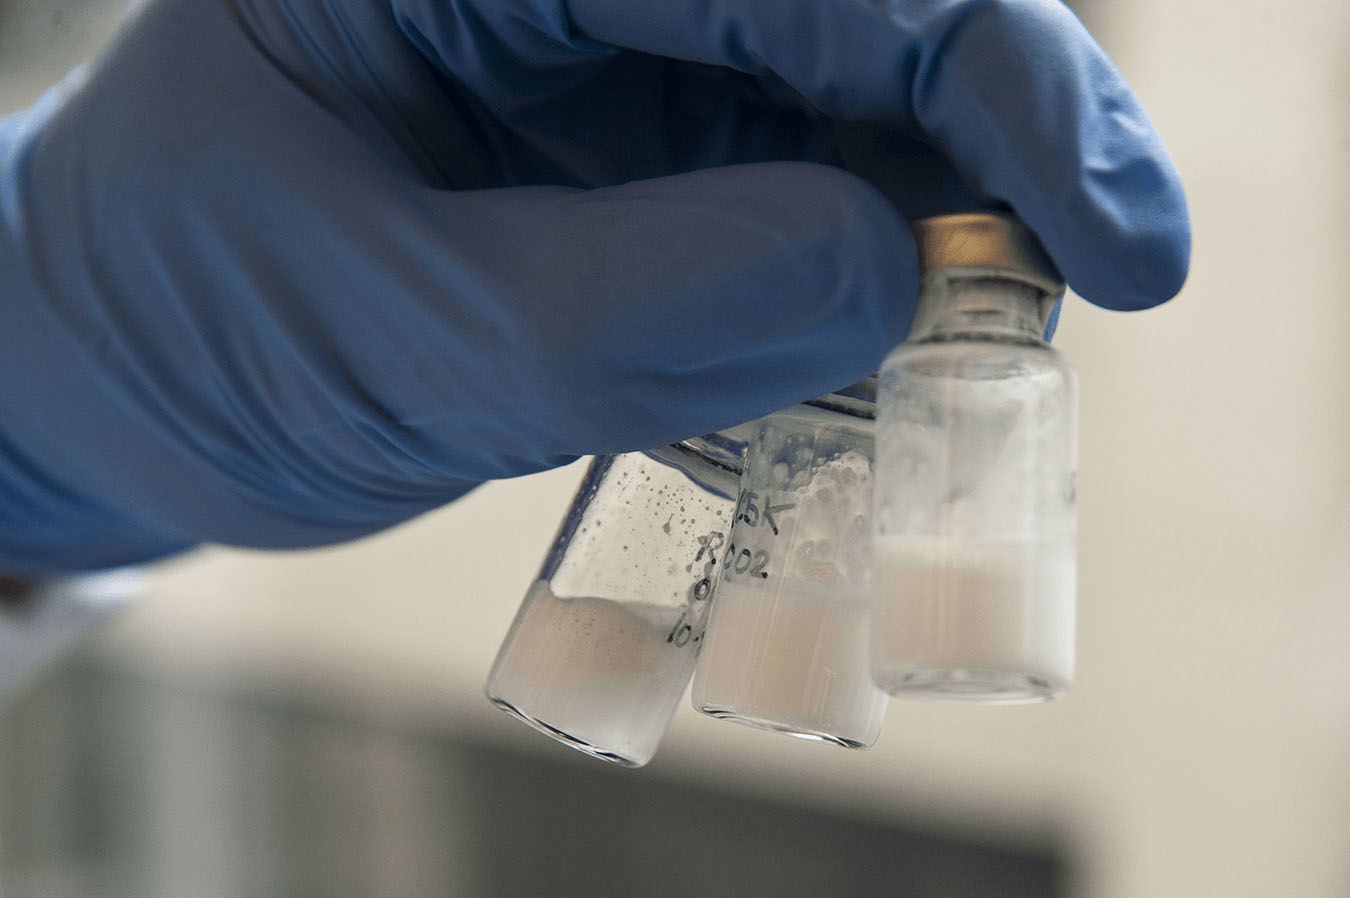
[604,644]
[976,460]
[786,646]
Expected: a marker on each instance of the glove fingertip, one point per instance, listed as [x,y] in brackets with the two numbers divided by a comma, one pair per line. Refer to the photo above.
[1140,257]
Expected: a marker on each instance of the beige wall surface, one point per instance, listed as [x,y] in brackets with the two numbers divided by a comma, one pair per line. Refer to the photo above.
[1206,747]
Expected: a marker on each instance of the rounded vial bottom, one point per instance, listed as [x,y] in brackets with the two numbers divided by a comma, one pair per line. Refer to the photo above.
[774,726]
[568,739]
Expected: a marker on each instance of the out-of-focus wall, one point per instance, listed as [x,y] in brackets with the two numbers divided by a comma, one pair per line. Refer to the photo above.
[121,785]
[40,41]
[1206,748]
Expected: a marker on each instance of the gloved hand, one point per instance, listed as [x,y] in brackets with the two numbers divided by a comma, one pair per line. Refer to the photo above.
[285,272]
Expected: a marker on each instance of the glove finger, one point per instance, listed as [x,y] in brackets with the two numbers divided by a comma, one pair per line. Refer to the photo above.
[1015,92]
[522,327]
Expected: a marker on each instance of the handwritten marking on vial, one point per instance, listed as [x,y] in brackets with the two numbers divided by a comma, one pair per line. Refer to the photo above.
[706,544]
[749,513]
[695,608]
[745,562]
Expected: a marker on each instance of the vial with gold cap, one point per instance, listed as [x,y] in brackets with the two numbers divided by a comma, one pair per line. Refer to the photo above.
[974,521]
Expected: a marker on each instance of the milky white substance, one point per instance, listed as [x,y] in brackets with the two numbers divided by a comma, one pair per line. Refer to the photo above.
[973,620]
[794,660]
[602,676]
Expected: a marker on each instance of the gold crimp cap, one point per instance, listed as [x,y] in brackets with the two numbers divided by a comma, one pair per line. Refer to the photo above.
[991,244]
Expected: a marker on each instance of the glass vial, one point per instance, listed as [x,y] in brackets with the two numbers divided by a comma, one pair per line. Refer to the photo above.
[786,648]
[604,643]
[976,461]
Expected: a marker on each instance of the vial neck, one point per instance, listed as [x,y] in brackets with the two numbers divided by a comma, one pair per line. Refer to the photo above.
[980,307]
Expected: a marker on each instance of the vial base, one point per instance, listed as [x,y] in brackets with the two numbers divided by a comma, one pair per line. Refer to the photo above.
[988,687]
[774,726]
[566,738]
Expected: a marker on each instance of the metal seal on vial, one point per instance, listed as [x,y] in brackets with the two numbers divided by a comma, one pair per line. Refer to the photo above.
[981,245]
[986,242]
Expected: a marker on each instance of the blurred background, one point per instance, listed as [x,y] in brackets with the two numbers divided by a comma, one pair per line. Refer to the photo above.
[313,723]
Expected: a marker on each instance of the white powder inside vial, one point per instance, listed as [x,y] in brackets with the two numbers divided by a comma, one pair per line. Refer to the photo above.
[998,610]
[828,538]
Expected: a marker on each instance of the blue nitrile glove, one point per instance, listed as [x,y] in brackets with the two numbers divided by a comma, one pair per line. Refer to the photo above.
[285,272]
